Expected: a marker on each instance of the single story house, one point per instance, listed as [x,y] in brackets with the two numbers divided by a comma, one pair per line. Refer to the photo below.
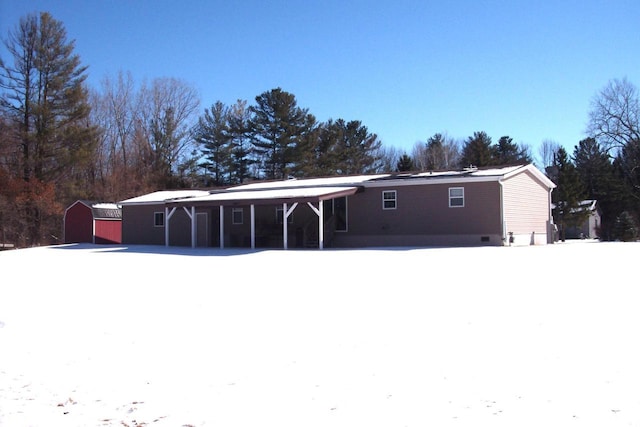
[494,206]
[91,222]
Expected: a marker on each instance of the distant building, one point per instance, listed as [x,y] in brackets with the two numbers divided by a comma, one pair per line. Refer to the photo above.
[590,228]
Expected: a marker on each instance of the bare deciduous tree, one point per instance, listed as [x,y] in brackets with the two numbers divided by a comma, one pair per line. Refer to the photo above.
[546,153]
[614,118]
[167,109]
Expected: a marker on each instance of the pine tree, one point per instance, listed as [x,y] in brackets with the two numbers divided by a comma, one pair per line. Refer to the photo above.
[357,150]
[240,161]
[625,228]
[567,196]
[477,150]
[44,95]
[507,152]
[405,164]
[597,175]
[278,125]
[214,136]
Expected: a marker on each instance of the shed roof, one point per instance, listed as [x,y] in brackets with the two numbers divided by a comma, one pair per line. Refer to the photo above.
[100,210]
[106,211]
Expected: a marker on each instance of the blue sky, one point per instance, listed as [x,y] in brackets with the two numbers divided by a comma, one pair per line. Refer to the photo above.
[407,69]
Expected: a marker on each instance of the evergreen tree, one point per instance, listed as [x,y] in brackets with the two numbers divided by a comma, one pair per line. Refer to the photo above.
[357,150]
[598,178]
[405,164]
[628,160]
[625,228]
[44,95]
[436,158]
[506,152]
[239,128]
[568,195]
[319,150]
[477,150]
[213,134]
[278,125]
[438,153]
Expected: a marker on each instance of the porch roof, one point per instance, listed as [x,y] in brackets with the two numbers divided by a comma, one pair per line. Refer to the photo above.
[268,196]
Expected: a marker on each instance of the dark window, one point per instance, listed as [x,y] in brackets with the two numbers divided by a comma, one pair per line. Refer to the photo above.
[237,216]
[158,219]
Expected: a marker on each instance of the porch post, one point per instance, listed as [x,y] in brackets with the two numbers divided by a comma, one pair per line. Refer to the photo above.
[221,227]
[253,227]
[167,217]
[320,225]
[166,226]
[284,225]
[320,212]
[193,226]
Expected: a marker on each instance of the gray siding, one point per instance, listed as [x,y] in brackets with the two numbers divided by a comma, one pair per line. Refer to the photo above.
[423,217]
[138,227]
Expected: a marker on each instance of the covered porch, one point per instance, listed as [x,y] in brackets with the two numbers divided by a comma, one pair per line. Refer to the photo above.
[286,200]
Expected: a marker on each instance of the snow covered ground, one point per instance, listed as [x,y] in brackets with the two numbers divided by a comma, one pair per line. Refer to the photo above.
[155,336]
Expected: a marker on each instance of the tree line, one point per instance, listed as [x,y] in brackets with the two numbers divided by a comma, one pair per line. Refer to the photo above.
[61,140]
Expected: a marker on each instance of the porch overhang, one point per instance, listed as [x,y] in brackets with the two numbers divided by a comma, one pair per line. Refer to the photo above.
[274,196]
[289,198]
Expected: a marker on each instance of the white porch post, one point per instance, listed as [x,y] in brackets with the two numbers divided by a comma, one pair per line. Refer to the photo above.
[253,227]
[321,225]
[167,217]
[221,227]
[285,221]
[193,226]
[166,226]
[320,212]
[284,225]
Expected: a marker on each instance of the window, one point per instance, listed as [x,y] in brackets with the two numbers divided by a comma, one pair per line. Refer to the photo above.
[237,216]
[456,197]
[280,215]
[158,219]
[389,199]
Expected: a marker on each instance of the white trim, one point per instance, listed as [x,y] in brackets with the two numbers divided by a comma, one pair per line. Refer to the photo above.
[394,200]
[456,197]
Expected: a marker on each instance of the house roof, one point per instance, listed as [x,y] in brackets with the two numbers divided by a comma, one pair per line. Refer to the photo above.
[163,196]
[470,174]
[317,189]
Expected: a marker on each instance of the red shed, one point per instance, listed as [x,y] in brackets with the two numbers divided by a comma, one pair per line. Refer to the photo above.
[90,222]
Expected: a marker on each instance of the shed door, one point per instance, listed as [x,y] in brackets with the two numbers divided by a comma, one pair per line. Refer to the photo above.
[202,226]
